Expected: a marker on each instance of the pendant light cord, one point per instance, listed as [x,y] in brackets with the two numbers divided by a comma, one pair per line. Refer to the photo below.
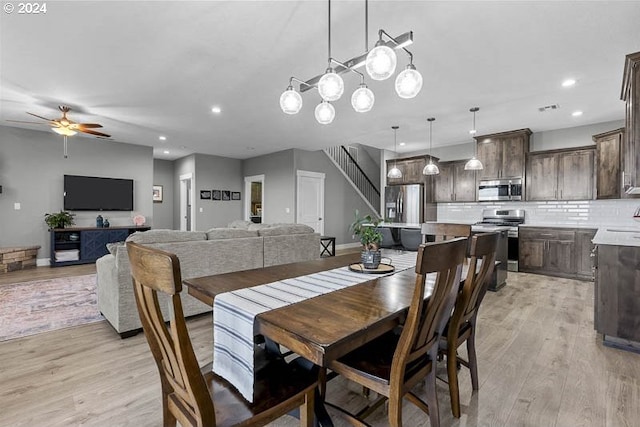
[366,25]
[329,32]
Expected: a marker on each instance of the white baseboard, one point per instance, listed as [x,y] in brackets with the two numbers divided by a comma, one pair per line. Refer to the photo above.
[348,245]
[43,262]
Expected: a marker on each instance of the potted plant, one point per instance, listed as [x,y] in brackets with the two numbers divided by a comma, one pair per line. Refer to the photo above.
[59,220]
[365,229]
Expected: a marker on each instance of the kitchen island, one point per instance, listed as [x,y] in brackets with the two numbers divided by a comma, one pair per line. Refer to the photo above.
[617,286]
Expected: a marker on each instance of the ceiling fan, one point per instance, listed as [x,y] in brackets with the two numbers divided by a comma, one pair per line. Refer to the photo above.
[65,126]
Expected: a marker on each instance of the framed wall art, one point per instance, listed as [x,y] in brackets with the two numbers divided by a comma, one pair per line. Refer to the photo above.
[235,195]
[216,195]
[157,194]
[205,194]
[226,195]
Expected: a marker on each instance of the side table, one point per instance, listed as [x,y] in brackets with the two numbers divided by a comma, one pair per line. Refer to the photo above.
[328,246]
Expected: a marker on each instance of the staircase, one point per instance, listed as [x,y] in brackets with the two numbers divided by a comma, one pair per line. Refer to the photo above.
[349,167]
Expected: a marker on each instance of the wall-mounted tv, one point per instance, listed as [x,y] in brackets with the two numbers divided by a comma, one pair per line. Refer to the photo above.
[90,193]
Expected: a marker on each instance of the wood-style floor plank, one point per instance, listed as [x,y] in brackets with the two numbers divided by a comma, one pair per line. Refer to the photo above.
[540,364]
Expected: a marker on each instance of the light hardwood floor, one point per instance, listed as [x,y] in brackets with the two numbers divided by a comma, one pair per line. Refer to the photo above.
[540,364]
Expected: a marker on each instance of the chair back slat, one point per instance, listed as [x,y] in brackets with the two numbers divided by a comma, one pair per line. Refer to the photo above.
[425,320]
[156,271]
[444,231]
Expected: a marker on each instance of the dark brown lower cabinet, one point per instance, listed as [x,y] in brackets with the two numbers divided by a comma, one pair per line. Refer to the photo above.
[563,252]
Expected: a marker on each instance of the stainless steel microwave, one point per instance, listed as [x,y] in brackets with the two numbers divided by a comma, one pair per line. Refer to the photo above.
[500,189]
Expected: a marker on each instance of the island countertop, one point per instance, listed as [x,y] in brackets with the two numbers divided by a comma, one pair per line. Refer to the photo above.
[617,236]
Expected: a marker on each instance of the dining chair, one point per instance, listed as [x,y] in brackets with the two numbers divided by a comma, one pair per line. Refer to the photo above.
[197,397]
[462,324]
[443,231]
[393,363]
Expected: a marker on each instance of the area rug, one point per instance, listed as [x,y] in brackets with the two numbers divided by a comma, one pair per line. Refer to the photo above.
[30,308]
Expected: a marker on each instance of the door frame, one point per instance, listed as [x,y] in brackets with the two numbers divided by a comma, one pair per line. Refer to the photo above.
[309,174]
[247,198]
[183,201]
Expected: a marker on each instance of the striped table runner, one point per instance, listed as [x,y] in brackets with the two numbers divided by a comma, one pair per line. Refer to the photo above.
[234,314]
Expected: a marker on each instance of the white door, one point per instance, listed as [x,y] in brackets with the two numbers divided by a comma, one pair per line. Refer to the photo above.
[310,200]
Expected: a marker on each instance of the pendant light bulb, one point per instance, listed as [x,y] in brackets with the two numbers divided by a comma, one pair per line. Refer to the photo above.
[325,113]
[330,86]
[362,99]
[394,172]
[431,168]
[290,101]
[381,62]
[409,82]
[474,164]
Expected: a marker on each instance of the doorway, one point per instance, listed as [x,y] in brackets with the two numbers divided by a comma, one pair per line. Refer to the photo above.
[187,218]
[254,199]
[310,200]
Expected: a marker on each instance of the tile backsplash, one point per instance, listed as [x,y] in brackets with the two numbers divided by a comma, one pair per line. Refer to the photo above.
[570,213]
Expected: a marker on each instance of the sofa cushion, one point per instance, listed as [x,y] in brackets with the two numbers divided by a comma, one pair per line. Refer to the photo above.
[166,236]
[113,247]
[239,223]
[285,229]
[229,233]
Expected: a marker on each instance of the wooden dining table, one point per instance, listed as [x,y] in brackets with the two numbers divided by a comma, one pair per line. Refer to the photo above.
[328,326]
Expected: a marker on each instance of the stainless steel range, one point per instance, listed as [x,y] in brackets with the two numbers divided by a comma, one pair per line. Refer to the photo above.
[510,218]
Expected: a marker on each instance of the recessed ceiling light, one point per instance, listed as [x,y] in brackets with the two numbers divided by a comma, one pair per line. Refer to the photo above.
[162,138]
[402,144]
[166,151]
[568,83]
[216,110]
[576,113]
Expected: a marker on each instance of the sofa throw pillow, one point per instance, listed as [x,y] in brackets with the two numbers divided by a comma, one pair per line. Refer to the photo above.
[166,236]
[113,247]
[229,233]
[239,223]
[286,229]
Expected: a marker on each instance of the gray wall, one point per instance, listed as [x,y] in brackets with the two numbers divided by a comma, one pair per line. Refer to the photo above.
[369,162]
[31,173]
[279,184]
[163,175]
[340,198]
[217,173]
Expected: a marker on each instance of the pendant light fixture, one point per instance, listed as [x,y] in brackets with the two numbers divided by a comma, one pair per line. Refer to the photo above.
[363,99]
[394,172]
[290,100]
[331,85]
[325,113]
[431,168]
[474,164]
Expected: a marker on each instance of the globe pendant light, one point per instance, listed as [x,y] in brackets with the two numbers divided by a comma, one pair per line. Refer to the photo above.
[325,113]
[431,168]
[408,82]
[331,86]
[362,99]
[394,172]
[290,101]
[474,164]
[381,61]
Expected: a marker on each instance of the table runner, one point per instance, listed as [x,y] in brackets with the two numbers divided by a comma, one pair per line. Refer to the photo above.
[234,314]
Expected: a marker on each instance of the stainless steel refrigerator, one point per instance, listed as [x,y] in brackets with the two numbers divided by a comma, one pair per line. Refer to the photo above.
[404,203]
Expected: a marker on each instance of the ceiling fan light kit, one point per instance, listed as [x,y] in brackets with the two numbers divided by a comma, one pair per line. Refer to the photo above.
[380,63]
[474,164]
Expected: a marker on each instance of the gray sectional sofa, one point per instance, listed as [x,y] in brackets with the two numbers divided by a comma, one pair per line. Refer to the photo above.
[241,246]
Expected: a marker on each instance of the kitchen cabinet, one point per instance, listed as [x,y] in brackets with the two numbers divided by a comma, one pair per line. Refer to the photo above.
[503,155]
[631,142]
[563,252]
[609,164]
[561,174]
[454,183]
[411,169]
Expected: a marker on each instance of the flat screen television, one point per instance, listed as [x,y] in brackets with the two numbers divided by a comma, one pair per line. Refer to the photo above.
[90,193]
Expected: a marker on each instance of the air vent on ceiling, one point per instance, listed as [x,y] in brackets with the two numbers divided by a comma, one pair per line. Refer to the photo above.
[549,107]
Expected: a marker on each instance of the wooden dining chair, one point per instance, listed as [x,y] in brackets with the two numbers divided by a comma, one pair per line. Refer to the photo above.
[393,364]
[444,231]
[462,324]
[198,397]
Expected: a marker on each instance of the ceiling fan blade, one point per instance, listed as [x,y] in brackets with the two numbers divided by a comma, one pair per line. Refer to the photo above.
[93,132]
[88,125]
[24,121]
[40,117]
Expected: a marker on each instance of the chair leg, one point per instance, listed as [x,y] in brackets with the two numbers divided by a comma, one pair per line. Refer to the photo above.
[473,361]
[395,411]
[432,398]
[452,374]
[307,409]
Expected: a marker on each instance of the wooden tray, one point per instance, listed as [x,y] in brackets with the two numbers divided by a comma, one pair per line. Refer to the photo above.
[382,268]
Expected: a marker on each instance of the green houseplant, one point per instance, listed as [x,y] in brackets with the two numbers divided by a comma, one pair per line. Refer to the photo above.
[364,228]
[59,220]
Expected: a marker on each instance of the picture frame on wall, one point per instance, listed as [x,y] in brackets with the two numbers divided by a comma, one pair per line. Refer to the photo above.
[157,194]
[226,195]
[205,194]
[216,195]
[235,195]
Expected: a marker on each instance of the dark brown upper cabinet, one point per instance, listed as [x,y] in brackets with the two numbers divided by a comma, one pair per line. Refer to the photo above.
[631,143]
[503,155]
[609,164]
[454,183]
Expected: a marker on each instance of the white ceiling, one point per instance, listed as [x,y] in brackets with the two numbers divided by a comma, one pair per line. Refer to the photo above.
[148,68]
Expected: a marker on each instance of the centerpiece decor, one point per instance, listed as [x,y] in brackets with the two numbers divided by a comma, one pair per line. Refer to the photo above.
[59,220]
[364,228]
